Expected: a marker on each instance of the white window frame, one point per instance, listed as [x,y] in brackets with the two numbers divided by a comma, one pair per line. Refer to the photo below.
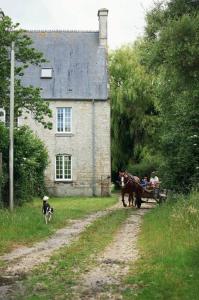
[63,167]
[2,115]
[46,75]
[64,120]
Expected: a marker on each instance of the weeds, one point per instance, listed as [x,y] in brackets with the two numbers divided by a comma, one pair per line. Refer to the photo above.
[168,267]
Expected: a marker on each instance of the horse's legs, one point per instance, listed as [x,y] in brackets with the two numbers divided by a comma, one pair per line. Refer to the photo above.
[124,204]
[133,203]
[130,199]
[138,200]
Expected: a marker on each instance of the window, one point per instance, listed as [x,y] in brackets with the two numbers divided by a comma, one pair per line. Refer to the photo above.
[63,167]
[2,115]
[46,72]
[7,121]
[64,119]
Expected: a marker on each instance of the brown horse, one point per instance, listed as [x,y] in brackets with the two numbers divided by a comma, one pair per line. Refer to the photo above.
[130,184]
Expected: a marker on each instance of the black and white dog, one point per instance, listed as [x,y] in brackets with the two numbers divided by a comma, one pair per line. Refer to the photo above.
[47,210]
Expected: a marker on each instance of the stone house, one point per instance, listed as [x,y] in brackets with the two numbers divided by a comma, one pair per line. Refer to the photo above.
[75,83]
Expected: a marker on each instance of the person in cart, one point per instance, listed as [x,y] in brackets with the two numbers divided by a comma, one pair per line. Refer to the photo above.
[144,182]
[154,180]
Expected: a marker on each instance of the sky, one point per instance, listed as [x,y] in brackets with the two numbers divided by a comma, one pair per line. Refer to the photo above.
[126,19]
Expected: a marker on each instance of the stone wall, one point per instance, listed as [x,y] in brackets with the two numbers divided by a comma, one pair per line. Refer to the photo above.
[90,173]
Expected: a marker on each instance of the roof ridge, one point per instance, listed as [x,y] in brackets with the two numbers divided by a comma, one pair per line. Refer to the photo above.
[59,30]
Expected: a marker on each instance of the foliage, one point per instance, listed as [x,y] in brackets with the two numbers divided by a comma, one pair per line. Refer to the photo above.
[30,161]
[132,107]
[144,167]
[27,98]
[155,97]
[169,266]
[170,52]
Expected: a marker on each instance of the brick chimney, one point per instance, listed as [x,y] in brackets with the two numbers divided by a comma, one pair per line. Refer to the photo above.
[1,14]
[102,16]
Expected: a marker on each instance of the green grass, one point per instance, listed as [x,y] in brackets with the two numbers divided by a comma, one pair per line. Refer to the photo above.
[26,224]
[54,280]
[169,246]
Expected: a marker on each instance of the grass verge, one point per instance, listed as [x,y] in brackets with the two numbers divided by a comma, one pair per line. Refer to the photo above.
[169,243]
[55,279]
[26,224]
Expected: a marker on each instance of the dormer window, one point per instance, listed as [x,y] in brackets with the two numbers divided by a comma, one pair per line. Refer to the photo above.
[46,72]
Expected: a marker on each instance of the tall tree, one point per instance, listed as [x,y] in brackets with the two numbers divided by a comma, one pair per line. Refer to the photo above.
[132,106]
[26,98]
[171,53]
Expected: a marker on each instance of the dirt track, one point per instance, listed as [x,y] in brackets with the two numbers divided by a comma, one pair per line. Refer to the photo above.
[112,264]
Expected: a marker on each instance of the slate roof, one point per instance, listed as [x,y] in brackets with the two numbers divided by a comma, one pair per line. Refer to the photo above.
[78,62]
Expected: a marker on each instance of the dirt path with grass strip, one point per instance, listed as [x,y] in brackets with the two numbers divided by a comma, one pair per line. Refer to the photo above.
[113,263]
[24,259]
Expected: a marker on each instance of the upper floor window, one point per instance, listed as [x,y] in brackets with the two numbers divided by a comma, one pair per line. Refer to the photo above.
[64,119]
[46,72]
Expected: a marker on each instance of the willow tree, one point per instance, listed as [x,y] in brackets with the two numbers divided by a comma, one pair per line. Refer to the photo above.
[132,107]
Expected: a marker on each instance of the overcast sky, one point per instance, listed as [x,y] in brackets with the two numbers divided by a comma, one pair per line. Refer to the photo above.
[126,18]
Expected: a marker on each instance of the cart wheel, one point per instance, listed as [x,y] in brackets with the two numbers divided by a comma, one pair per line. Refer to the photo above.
[138,202]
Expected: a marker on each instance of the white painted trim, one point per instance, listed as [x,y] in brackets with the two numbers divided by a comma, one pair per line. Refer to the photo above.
[64,132]
[63,179]
[46,76]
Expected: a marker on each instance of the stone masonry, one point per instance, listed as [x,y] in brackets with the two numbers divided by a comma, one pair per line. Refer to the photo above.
[79,145]
[78,60]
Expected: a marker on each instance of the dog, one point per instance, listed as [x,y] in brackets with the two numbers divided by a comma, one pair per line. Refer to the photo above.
[47,210]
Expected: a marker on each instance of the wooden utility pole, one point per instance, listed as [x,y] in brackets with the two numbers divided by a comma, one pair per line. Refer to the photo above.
[1,164]
[11,147]
[1,174]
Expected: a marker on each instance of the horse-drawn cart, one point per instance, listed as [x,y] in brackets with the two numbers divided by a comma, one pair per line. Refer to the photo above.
[130,185]
[157,194]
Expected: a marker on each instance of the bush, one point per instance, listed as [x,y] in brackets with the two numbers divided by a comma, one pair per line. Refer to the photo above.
[142,169]
[30,162]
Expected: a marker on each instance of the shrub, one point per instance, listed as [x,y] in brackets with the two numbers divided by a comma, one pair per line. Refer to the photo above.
[30,162]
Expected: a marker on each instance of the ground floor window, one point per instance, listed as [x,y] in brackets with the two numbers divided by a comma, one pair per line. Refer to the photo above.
[63,167]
